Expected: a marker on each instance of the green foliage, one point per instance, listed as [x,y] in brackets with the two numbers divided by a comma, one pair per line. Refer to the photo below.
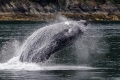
[63,1]
[117,1]
[43,0]
[35,0]
[101,1]
[5,0]
[113,1]
[104,1]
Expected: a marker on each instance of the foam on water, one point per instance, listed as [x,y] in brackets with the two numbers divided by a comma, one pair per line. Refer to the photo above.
[15,64]
[68,67]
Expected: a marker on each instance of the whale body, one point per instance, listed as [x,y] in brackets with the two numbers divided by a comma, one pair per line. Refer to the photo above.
[50,39]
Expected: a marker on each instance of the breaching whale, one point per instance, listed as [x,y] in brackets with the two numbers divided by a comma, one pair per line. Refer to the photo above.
[50,39]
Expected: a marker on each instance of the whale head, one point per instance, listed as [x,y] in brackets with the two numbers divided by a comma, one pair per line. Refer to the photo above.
[68,35]
[75,29]
[71,32]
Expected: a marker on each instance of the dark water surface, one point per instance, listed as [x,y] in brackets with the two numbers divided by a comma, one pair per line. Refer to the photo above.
[99,48]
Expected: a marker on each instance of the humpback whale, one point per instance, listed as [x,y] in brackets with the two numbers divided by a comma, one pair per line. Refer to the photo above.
[49,39]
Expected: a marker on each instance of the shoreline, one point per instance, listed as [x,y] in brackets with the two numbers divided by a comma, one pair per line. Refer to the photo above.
[99,16]
[53,20]
[45,10]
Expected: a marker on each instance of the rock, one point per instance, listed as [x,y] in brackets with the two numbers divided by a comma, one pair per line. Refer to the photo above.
[38,7]
[12,4]
[3,8]
[115,18]
[33,11]
[49,9]
[25,7]
[118,6]
[117,14]
[108,7]
[88,6]
[74,8]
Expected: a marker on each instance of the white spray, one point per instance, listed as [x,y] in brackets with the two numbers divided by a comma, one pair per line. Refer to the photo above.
[15,64]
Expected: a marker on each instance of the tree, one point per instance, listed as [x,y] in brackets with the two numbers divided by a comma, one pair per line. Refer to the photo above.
[101,1]
[117,1]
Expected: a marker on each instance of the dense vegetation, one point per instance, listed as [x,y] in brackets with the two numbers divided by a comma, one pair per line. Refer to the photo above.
[100,1]
[47,9]
[113,1]
[56,1]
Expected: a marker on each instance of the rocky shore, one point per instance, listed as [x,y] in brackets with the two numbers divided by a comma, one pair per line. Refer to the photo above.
[78,9]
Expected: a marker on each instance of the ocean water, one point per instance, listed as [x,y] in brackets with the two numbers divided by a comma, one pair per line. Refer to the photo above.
[94,56]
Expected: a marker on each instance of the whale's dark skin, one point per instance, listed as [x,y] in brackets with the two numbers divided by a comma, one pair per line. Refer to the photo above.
[51,40]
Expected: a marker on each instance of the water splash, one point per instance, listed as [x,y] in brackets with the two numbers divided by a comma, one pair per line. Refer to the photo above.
[92,46]
[15,64]
[15,49]
[89,42]
[9,49]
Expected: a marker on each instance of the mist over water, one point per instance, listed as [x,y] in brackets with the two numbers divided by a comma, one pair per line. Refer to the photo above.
[90,46]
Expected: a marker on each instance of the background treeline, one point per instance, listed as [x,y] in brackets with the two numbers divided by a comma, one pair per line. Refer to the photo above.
[104,1]
[56,1]
[100,1]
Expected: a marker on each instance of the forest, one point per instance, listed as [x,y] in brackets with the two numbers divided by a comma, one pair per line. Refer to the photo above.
[57,1]
[99,1]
